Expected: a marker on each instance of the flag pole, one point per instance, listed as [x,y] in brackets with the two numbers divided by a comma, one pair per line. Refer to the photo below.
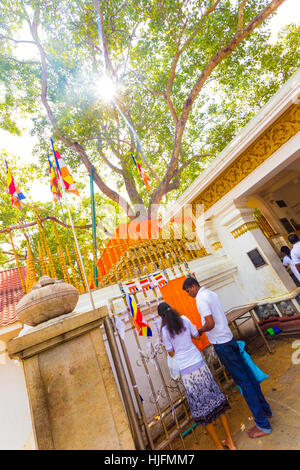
[65,221]
[94,224]
[73,229]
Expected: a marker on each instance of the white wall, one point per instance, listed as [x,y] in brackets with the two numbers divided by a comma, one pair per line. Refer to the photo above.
[15,420]
[290,193]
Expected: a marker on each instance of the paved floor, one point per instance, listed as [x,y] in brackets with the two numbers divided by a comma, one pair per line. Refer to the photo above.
[285,403]
[281,389]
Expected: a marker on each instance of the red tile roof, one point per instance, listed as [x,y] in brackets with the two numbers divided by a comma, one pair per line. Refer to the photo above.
[10,293]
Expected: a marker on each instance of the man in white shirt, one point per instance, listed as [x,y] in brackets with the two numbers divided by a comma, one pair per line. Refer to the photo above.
[295,251]
[215,325]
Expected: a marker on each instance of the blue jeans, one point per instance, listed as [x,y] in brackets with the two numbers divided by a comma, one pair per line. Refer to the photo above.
[230,356]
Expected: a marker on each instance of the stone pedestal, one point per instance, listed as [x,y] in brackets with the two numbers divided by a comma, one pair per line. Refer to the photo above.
[74,400]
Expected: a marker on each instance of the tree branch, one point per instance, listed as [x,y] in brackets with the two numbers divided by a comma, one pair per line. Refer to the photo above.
[108,65]
[189,161]
[110,142]
[100,183]
[178,55]
[50,217]
[129,179]
[225,51]
[75,146]
[152,92]
[17,41]
[105,159]
[110,165]
[241,15]
[210,66]
[10,253]
[106,59]
[28,62]
[198,29]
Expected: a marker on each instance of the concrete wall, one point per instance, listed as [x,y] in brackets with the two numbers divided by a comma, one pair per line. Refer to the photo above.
[15,421]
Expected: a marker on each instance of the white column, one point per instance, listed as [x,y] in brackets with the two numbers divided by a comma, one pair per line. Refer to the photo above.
[211,238]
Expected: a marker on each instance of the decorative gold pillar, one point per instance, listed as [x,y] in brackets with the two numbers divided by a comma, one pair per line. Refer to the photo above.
[164,249]
[90,276]
[109,276]
[16,258]
[75,280]
[100,277]
[124,255]
[156,247]
[46,246]
[61,255]
[31,277]
[81,270]
[263,223]
[43,262]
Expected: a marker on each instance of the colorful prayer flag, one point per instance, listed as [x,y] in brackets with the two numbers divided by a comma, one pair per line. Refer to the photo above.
[143,175]
[159,279]
[138,320]
[130,287]
[62,168]
[54,183]
[145,283]
[14,191]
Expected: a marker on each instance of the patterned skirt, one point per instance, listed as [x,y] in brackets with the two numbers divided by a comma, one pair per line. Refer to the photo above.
[205,398]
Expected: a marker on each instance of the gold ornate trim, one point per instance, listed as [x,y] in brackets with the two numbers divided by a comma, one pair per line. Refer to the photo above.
[244,228]
[272,139]
[217,245]
[263,224]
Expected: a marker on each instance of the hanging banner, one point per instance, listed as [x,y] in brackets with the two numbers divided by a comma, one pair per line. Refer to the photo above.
[131,287]
[159,279]
[145,283]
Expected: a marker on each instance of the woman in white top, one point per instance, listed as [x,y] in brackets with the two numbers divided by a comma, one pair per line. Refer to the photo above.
[205,398]
[287,261]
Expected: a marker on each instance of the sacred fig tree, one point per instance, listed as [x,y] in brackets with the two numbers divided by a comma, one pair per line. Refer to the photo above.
[116,79]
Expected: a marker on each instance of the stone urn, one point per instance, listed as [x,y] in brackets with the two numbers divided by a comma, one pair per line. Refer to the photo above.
[48,298]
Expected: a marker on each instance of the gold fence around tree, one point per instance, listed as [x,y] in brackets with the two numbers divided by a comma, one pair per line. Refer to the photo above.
[140,258]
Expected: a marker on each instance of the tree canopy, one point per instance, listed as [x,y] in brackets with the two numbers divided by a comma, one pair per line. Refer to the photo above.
[188,74]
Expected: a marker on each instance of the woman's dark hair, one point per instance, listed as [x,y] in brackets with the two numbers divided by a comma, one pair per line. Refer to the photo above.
[170,318]
[286,250]
[293,238]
